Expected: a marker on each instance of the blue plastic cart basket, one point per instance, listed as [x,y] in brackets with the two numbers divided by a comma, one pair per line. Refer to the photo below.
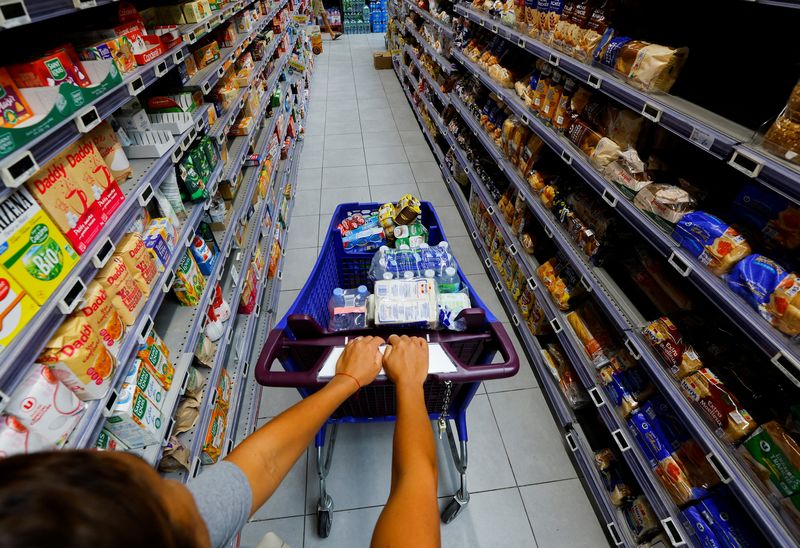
[301,342]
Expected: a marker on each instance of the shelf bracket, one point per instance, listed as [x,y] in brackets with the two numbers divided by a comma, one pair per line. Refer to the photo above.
[145,330]
[135,86]
[651,113]
[573,445]
[613,530]
[72,297]
[597,398]
[683,268]
[621,440]
[18,171]
[594,81]
[13,14]
[103,254]
[715,463]
[161,69]
[631,346]
[778,360]
[108,407]
[744,163]
[145,195]
[87,119]
[556,325]
[673,533]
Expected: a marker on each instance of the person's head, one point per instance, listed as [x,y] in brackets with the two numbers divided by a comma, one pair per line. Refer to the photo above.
[94,498]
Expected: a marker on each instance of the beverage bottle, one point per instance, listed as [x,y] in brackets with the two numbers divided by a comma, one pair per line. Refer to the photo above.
[449,282]
[361,295]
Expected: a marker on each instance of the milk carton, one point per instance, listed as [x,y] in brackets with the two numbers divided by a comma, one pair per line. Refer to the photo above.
[136,421]
[141,377]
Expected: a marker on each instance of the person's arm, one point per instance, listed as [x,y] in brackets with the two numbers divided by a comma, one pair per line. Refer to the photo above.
[411,515]
[268,455]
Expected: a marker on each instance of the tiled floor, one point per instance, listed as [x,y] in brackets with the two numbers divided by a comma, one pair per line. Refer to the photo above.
[363,144]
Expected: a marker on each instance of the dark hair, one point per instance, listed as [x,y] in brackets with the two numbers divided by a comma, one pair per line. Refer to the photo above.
[78,499]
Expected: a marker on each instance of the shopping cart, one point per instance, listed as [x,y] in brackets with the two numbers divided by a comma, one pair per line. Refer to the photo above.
[301,342]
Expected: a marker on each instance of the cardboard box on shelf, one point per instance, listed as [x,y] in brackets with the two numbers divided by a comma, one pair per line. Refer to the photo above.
[32,250]
[56,67]
[107,441]
[14,109]
[16,308]
[196,11]
[78,192]
[205,55]
[144,380]
[136,421]
[382,60]
[117,49]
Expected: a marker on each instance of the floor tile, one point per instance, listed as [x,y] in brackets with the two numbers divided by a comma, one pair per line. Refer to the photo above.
[332,197]
[306,202]
[289,499]
[342,102]
[465,254]
[373,102]
[362,457]
[297,266]
[389,174]
[494,518]
[299,237]
[392,193]
[382,125]
[313,142]
[350,529]
[487,466]
[427,172]
[338,115]
[375,114]
[406,123]
[344,177]
[451,220]
[324,223]
[343,157]
[309,179]
[413,137]
[285,300]
[290,530]
[485,288]
[436,193]
[310,158]
[385,155]
[347,126]
[524,377]
[419,153]
[534,444]
[275,400]
[344,140]
[383,139]
[561,515]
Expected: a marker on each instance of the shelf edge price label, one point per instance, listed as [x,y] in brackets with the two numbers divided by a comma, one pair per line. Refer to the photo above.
[83,4]
[701,138]
[135,86]
[145,195]
[744,163]
[87,119]
[161,69]
[651,112]
[103,254]
[594,81]
[71,297]
[17,172]
[13,14]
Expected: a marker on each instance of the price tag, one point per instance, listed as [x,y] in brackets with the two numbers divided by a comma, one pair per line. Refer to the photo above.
[135,86]
[701,138]
[18,171]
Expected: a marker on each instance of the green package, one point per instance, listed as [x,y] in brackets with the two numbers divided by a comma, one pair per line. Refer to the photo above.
[211,151]
[413,235]
[775,454]
[191,179]
[200,161]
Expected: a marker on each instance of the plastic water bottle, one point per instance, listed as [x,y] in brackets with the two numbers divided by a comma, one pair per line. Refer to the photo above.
[449,282]
[408,275]
[361,295]
[338,297]
[388,276]
[430,273]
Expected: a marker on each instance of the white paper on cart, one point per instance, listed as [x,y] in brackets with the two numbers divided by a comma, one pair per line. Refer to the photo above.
[438,361]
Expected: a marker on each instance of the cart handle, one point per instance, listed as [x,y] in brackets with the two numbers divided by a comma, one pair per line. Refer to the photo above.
[308,379]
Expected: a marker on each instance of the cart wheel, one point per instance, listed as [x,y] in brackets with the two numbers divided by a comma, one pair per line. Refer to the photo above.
[452,510]
[324,521]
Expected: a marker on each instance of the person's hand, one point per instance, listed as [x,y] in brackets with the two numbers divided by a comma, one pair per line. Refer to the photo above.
[361,360]
[406,360]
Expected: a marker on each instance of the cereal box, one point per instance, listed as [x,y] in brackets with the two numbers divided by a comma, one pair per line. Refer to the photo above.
[215,437]
[194,12]
[79,359]
[98,311]
[146,382]
[16,308]
[32,250]
[13,107]
[136,421]
[16,439]
[117,49]
[45,405]
[78,191]
[126,296]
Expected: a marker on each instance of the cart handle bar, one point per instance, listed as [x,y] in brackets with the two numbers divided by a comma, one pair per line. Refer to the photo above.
[308,379]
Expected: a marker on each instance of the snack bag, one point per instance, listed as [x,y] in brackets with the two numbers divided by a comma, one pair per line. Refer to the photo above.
[139,260]
[189,282]
[679,357]
[615,484]
[45,405]
[136,421]
[32,250]
[628,388]
[79,359]
[16,439]
[564,374]
[713,242]
[154,354]
[126,296]
[775,457]
[719,405]
[592,333]
[101,314]
[215,437]
[16,308]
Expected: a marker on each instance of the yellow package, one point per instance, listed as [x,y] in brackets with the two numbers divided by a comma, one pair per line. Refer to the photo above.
[16,308]
[154,355]
[215,437]
[189,281]
[125,294]
[101,314]
[79,359]
[32,250]
[224,387]
[139,259]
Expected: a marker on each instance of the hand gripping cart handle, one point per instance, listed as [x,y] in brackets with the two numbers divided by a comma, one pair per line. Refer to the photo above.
[302,342]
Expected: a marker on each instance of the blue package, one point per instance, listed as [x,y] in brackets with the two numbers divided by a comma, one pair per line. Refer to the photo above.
[702,530]
[608,54]
[729,525]
[646,421]
[698,233]
[774,216]
[755,278]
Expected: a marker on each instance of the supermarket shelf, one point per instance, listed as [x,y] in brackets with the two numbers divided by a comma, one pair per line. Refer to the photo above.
[783,353]
[148,174]
[16,13]
[429,18]
[719,136]
[446,65]
[19,165]
[192,32]
[432,83]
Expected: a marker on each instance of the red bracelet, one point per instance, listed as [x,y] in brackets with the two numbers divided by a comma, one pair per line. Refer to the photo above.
[352,377]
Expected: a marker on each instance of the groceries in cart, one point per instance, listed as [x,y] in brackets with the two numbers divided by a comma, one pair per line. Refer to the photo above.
[395,225]
[348,309]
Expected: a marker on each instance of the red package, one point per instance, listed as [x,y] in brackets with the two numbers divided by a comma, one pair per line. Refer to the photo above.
[52,69]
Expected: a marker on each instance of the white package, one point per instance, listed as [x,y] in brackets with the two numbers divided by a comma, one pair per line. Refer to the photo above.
[136,421]
[15,439]
[45,405]
[406,301]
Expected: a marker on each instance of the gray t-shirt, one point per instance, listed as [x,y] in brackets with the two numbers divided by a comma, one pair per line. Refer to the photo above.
[223,496]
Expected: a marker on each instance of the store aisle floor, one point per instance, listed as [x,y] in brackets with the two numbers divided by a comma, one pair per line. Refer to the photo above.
[363,144]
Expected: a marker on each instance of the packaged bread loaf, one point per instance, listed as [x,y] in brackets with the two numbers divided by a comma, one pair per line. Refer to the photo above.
[565,376]
[627,171]
[593,334]
[720,406]
[712,241]
[769,289]
[613,479]
[664,203]
[126,296]
[679,357]
[583,136]
[783,139]
[775,457]
[561,280]
[598,30]
[776,217]
[648,66]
